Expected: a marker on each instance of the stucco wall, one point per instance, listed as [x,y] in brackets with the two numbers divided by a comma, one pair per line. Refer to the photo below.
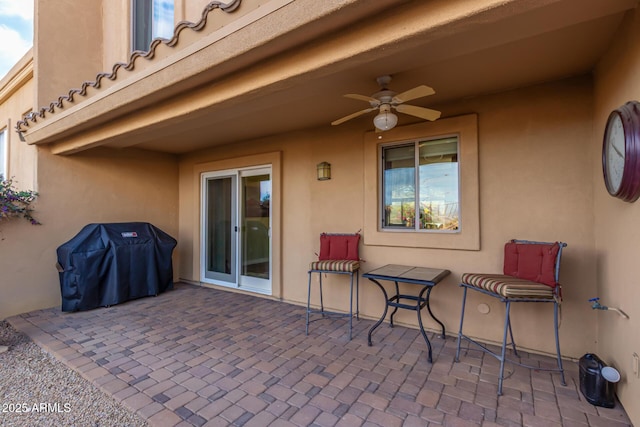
[535,183]
[75,35]
[616,222]
[21,157]
[116,38]
[101,185]
[18,239]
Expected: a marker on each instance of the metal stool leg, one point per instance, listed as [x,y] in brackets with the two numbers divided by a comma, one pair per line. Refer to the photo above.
[308,305]
[357,272]
[504,348]
[513,342]
[330,314]
[321,300]
[351,307]
[464,301]
[555,325]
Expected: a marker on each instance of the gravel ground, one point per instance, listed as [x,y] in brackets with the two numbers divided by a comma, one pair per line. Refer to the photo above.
[38,390]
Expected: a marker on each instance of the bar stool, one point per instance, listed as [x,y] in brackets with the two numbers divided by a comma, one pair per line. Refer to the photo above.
[531,272]
[339,254]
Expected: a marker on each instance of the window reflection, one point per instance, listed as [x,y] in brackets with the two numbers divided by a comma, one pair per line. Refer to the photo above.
[421,185]
[151,19]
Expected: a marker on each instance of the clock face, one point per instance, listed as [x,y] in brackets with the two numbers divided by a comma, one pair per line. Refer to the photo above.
[614,154]
[621,152]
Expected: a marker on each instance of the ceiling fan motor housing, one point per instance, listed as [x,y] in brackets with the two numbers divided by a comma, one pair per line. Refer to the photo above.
[385,96]
[386,99]
[383,81]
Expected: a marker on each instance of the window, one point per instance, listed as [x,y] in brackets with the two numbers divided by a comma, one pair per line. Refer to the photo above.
[151,19]
[3,153]
[420,185]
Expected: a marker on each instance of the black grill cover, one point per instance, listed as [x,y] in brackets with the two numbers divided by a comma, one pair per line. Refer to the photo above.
[106,264]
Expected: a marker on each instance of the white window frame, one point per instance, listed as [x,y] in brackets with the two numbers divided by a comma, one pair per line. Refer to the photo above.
[237,279]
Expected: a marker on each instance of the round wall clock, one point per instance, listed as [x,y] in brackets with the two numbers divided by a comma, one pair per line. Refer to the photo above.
[621,152]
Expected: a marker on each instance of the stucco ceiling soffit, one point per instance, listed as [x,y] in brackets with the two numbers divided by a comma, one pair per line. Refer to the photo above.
[271,77]
[522,25]
[19,74]
[82,115]
[318,73]
[195,63]
[175,74]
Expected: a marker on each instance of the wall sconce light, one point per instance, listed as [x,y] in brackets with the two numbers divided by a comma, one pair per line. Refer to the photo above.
[324,171]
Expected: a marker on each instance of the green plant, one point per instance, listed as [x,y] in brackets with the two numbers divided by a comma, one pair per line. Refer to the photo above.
[14,203]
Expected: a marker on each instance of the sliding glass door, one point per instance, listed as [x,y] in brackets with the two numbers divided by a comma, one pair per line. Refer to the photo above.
[220,226]
[236,224]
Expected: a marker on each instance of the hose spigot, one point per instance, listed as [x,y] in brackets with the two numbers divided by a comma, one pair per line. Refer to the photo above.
[597,306]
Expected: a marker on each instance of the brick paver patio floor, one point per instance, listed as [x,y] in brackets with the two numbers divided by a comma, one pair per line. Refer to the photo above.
[198,356]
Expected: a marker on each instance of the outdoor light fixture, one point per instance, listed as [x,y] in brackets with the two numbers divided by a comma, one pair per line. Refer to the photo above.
[386,119]
[324,171]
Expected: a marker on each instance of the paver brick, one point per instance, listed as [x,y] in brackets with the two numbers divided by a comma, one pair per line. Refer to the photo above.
[449,405]
[180,400]
[216,358]
[234,395]
[404,406]
[278,408]
[164,418]
[529,420]
[374,401]
[350,420]
[196,404]
[384,419]
[546,409]
[137,401]
[213,409]
[471,412]
[305,416]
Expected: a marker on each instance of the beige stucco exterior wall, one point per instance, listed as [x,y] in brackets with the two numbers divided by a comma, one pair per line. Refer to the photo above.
[103,185]
[539,178]
[616,223]
[73,62]
[18,239]
[535,183]
[116,27]
[16,99]
[191,10]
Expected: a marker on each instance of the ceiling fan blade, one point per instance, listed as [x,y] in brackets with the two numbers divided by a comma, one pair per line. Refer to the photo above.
[416,92]
[352,116]
[365,98]
[423,113]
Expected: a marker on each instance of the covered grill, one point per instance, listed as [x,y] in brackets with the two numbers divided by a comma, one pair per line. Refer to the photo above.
[106,264]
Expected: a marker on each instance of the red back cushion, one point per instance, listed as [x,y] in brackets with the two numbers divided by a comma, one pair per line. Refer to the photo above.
[339,247]
[535,262]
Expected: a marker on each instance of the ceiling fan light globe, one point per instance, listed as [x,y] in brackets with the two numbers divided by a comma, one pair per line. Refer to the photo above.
[385,120]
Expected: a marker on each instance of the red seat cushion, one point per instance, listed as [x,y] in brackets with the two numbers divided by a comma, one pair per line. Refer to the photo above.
[339,247]
[533,262]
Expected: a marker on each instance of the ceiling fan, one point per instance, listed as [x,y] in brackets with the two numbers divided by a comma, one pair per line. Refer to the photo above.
[385,100]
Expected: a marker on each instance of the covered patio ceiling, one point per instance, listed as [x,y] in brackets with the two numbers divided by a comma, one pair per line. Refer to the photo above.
[514,46]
